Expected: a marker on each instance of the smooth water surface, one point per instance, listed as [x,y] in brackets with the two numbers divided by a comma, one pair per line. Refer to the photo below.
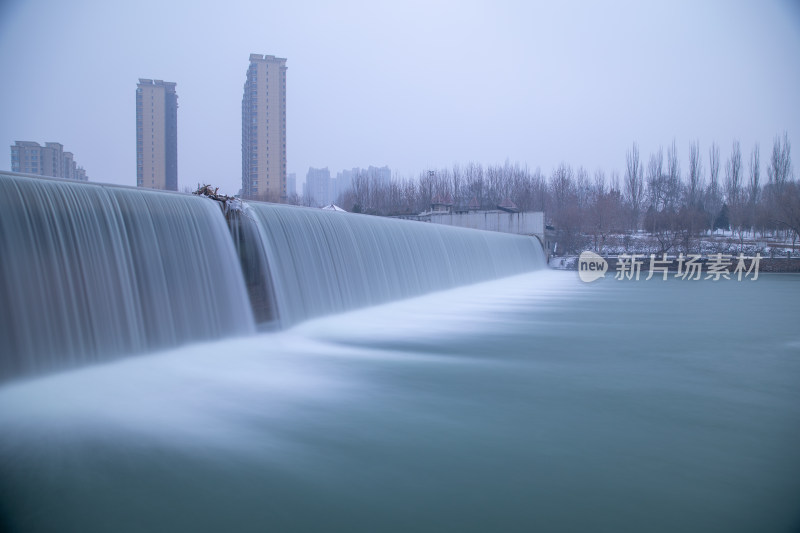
[529,403]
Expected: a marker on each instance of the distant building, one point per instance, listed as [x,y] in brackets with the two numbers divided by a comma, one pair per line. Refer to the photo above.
[508,206]
[264,129]
[442,204]
[291,184]
[318,187]
[49,160]
[344,180]
[506,218]
[380,175]
[503,219]
[156,135]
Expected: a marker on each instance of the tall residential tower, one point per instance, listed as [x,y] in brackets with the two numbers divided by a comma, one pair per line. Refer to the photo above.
[264,129]
[156,135]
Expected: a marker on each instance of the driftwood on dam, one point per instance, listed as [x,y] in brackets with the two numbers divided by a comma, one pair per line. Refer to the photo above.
[228,203]
[212,192]
[255,266]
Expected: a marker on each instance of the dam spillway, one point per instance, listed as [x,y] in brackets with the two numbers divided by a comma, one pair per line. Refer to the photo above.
[325,262]
[92,272]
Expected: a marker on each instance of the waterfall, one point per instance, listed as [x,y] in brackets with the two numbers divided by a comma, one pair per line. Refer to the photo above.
[90,272]
[325,262]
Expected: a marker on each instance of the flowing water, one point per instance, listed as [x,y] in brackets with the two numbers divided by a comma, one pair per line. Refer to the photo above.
[89,272]
[324,262]
[530,402]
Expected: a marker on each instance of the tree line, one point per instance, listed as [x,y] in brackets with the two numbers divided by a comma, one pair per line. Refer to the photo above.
[655,196]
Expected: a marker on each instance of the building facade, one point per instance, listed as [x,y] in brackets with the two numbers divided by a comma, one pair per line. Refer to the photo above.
[343,182]
[264,129]
[49,160]
[156,135]
[318,187]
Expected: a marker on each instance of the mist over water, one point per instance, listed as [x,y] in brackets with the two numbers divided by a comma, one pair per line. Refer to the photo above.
[531,402]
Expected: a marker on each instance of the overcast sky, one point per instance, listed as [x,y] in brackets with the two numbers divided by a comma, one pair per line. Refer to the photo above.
[409,84]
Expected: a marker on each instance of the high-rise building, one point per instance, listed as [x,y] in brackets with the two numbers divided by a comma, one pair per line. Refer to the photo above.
[291,185]
[318,187]
[48,160]
[264,129]
[156,135]
[344,180]
[381,176]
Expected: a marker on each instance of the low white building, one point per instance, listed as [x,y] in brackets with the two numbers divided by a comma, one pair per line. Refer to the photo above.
[523,223]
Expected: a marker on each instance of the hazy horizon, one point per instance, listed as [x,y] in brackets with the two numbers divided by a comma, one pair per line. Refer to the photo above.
[411,85]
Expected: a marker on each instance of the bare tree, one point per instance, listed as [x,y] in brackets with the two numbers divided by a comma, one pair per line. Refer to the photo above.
[599,182]
[714,195]
[673,181]
[788,216]
[695,175]
[562,185]
[476,183]
[566,213]
[494,176]
[733,175]
[604,210]
[583,187]
[783,192]
[522,189]
[614,182]
[458,185]
[634,184]
[753,186]
[691,217]
[733,191]
[361,186]
[655,181]
[779,170]
[539,190]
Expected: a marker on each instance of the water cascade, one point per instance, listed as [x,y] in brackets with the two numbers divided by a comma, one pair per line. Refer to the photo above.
[325,262]
[90,272]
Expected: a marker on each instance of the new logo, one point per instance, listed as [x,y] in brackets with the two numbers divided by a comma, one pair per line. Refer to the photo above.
[591,266]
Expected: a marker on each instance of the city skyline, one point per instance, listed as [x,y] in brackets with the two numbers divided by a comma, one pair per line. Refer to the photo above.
[411,87]
[322,188]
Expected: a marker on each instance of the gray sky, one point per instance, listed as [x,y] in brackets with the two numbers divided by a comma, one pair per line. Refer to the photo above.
[408,84]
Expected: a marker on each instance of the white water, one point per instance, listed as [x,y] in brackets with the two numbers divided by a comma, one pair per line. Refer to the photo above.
[325,262]
[89,272]
[92,272]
